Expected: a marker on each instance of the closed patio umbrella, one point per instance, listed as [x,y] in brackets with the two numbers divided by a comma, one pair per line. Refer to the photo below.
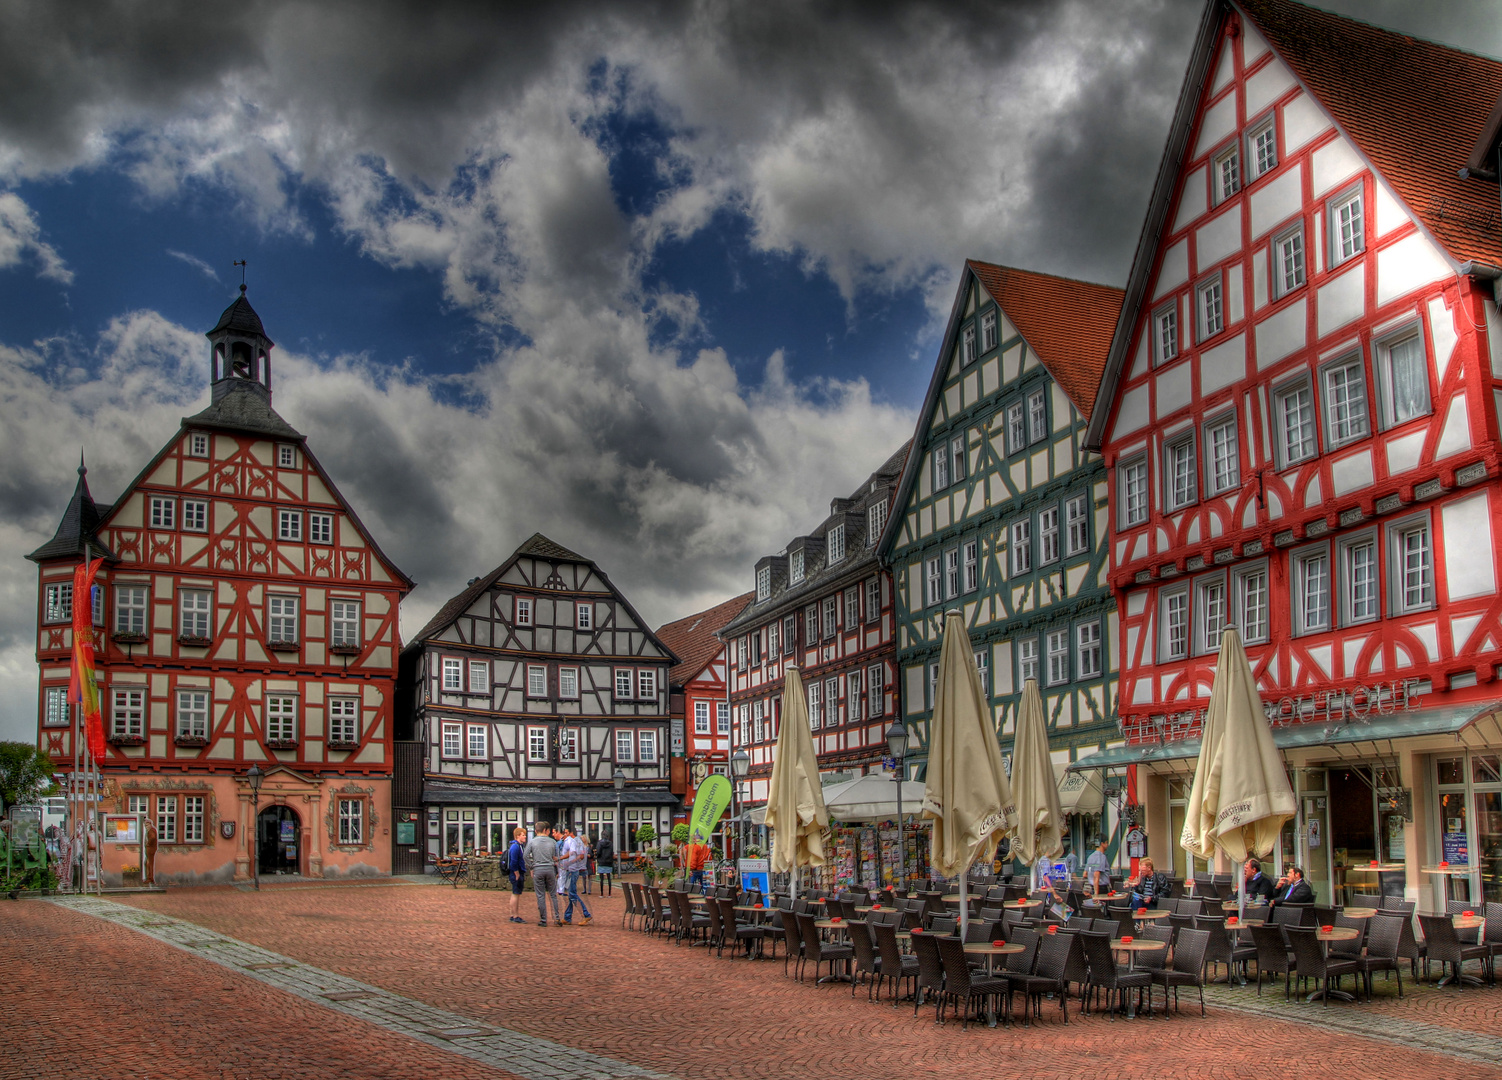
[966,791]
[795,798]
[1040,818]
[870,798]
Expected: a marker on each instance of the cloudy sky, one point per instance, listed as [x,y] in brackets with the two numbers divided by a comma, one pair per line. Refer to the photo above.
[658,279]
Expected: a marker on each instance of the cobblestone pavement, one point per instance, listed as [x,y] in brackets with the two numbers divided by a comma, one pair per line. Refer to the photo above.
[625,998]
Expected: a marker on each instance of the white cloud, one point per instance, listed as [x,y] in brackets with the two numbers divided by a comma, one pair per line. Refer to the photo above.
[21,240]
[196,263]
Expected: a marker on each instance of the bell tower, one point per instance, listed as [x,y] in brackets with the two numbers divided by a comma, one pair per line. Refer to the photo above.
[241,357]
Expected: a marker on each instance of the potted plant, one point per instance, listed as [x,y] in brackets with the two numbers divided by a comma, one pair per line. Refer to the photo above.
[679,836]
[130,877]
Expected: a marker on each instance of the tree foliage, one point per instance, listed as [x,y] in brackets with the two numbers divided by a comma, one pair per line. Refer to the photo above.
[25,773]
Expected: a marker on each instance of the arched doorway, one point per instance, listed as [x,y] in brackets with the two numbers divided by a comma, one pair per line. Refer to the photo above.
[278,840]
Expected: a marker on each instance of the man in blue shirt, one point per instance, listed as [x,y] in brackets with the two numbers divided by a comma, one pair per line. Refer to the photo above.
[516,870]
[1098,870]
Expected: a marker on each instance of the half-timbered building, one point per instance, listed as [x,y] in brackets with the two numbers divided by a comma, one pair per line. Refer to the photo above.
[1001,514]
[529,690]
[248,618]
[698,695]
[824,604]
[1300,416]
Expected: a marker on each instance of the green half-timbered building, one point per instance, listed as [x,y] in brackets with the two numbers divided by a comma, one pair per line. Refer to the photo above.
[999,512]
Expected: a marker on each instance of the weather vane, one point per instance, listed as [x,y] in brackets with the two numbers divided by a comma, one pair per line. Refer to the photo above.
[241,264]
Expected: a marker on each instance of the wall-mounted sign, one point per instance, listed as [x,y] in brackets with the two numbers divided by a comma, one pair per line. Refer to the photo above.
[289,831]
[122,829]
[676,737]
[227,829]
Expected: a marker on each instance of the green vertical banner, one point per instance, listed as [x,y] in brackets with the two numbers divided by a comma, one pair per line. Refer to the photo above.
[709,804]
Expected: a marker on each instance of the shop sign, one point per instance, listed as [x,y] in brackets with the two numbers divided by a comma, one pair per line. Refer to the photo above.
[1326,706]
[676,737]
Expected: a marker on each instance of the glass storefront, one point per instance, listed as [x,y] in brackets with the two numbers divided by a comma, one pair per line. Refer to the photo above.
[1468,793]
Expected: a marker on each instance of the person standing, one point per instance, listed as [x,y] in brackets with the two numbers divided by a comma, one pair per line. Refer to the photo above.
[1098,870]
[589,860]
[516,870]
[605,864]
[541,858]
[575,861]
[696,858]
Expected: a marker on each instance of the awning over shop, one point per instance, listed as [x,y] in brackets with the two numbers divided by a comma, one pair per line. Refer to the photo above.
[1351,739]
[1079,792]
[438,792]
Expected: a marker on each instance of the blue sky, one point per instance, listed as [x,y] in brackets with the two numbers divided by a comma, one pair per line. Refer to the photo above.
[657,279]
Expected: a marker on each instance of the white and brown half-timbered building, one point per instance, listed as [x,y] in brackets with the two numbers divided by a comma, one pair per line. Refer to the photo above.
[1300,415]
[529,689]
[248,618]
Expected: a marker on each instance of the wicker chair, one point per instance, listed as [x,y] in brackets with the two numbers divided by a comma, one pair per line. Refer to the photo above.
[715,939]
[930,969]
[1493,938]
[689,923]
[961,985]
[1313,964]
[1348,950]
[1382,938]
[1048,976]
[792,937]
[1366,900]
[1445,946]
[818,951]
[1222,949]
[750,933]
[1187,969]
[866,962]
[1273,957]
[943,924]
[1460,907]
[1105,975]
[894,965]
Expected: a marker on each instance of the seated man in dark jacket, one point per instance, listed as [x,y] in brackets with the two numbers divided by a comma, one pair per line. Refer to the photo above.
[1293,889]
[1149,885]
[1259,887]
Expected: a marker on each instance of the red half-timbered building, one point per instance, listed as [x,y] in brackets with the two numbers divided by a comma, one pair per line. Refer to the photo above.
[1301,423]
[248,618]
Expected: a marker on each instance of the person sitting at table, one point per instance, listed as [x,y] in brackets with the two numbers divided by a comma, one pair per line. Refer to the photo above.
[1293,889]
[1147,885]
[1259,888]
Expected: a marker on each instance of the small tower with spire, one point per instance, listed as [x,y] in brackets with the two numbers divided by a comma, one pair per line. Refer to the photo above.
[241,351]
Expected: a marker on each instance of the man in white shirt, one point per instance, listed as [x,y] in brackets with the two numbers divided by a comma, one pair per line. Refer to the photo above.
[574,858]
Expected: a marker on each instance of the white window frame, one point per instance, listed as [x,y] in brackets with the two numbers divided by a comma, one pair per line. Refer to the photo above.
[1089,650]
[982,659]
[935,581]
[933,684]
[192,713]
[477,742]
[832,702]
[836,545]
[1311,590]
[1347,242]
[876,519]
[537,745]
[452,675]
[957,462]
[55,712]
[1345,404]
[646,746]
[625,683]
[1222,454]
[815,705]
[1360,588]
[289,526]
[1134,491]
[988,331]
[852,609]
[646,684]
[1261,148]
[1212,611]
[163,513]
[128,712]
[941,466]
[195,608]
[967,346]
[873,599]
[1382,350]
[281,718]
[537,682]
[951,573]
[876,690]
[1077,522]
[351,822]
[970,560]
[479,676]
[193,816]
[132,608]
[198,444]
[195,515]
[1165,330]
[568,684]
[701,718]
[1249,598]
[722,718]
[523,611]
[166,819]
[451,740]
[1180,472]
[763,583]
[1016,427]
[1058,656]
[344,622]
[320,528]
[1028,661]
[1174,635]
[1210,307]
[282,621]
[1309,439]
[1037,417]
[57,602]
[789,634]
[811,625]
[1048,535]
[286,456]
[584,616]
[1225,173]
[1290,270]
[1411,586]
[344,719]
[1021,543]
[795,566]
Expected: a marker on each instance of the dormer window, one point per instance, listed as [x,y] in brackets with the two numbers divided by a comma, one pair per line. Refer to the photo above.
[967,345]
[836,544]
[876,520]
[795,567]
[763,583]
[988,331]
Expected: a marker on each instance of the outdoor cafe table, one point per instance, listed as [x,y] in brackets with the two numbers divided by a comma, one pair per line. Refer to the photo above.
[1358,912]
[1450,871]
[1375,868]
[1324,937]
[1150,914]
[1023,903]
[1236,928]
[1132,948]
[1110,896]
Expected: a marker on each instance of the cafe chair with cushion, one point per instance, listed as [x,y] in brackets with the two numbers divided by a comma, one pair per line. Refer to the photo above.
[1187,969]
[1446,947]
[1313,965]
[1273,957]
[894,965]
[1382,937]
[961,985]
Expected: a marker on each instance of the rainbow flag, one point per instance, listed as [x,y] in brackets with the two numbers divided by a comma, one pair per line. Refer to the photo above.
[83,686]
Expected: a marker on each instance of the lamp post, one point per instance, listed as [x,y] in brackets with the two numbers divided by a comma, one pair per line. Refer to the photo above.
[740,765]
[618,778]
[254,777]
[897,747]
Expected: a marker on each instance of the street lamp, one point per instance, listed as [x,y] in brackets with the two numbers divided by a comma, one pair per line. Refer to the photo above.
[255,776]
[740,765]
[897,748]
[618,778]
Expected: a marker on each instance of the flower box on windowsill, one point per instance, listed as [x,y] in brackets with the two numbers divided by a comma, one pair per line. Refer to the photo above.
[341,744]
[282,646]
[344,650]
[129,639]
[127,740]
[281,744]
[194,641]
[191,740]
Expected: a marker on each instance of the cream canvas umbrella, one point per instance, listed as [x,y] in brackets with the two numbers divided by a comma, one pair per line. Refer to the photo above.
[966,791]
[795,799]
[1040,817]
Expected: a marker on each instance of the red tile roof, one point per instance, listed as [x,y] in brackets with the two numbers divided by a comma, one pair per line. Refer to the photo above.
[1067,323]
[692,637]
[1414,108]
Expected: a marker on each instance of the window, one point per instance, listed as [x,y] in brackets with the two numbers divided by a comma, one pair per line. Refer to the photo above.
[479,676]
[281,718]
[795,567]
[789,634]
[136,804]
[1027,659]
[951,573]
[1311,590]
[1048,535]
[774,645]
[537,681]
[59,602]
[198,444]
[983,669]
[568,683]
[281,619]
[853,696]
[128,716]
[344,623]
[130,609]
[195,515]
[1058,657]
[1133,491]
[933,684]
[584,616]
[701,718]
[852,607]
[722,718]
[1037,416]
[1210,302]
[876,519]
[815,705]
[1262,149]
[289,525]
[1213,615]
[1413,567]
[935,581]
[344,720]
[811,624]
[321,528]
[1251,603]
[192,819]
[1016,428]
[1358,571]
[452,733]
[754,640]
[1223,465]
[1179,472]
[1075,511]
[763,583]
[831,702]
[831,617]
[742,653]
[286,456]
[1087,650]
[873,599]
[1225,173]
[876,678]
[1293,410]
[1175,621]
[163,514]
[970,557]
[56,714]
[537,745]
[453,674]
[967,345]
[941,467]
[1347,234]
[957,458]
[193,609]
[1288,261]
[1403,373]
[166,819]
[193,714]
[568,746]
[836,544]
[1166,333]
[476,743]
[623,684]
[646,684]
[743,724]
[351,821]
[646,747]
[988,331]
[1022,546]
[523,611]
